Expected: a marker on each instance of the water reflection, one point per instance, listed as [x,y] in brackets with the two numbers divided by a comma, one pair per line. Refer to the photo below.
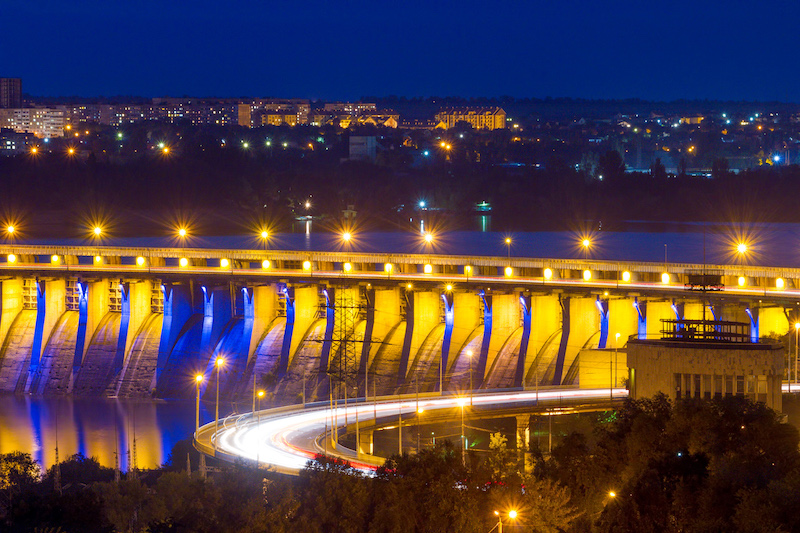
[137,434]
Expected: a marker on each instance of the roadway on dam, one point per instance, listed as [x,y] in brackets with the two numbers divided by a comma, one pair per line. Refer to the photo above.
[286,438]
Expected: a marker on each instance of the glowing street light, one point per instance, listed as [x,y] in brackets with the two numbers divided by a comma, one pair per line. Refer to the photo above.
[97,231]
[428,238]
[467,271]
[741,248]
[346,236]
[512,515]
[508,246]
[10,230]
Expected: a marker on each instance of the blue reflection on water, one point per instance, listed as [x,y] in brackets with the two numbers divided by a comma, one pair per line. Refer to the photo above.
[98,427]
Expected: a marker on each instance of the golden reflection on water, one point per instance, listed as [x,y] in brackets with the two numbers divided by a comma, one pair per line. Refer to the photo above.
[102,428]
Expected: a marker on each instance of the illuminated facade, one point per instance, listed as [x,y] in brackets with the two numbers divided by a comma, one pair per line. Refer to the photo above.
[43,122]
[481,118]
[278,118]
[351,108]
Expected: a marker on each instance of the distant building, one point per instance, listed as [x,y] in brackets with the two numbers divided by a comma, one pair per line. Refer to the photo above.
[42,122]
[417,124]
[12,143]
[10,93]
[278,118]
[363,148]
[706,359]
[350,108]
[696,119]
[481,118]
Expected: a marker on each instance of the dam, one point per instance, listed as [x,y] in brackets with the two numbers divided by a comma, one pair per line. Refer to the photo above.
[133,320]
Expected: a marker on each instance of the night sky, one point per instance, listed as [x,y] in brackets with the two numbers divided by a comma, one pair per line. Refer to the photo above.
[727,50]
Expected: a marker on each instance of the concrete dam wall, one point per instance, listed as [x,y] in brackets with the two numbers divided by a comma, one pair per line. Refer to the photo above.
[308,340]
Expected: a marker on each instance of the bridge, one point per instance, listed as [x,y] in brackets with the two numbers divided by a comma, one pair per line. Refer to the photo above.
[134,320]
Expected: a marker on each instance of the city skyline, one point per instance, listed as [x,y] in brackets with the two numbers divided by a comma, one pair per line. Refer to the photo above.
[343,52]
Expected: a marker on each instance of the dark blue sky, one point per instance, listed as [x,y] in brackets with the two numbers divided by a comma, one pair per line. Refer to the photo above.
[732,50]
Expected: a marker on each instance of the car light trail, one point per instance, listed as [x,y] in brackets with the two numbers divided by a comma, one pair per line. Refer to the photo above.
[284,439]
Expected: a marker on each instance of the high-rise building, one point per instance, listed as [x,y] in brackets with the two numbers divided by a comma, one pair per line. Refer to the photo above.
[43,122]
[10,93]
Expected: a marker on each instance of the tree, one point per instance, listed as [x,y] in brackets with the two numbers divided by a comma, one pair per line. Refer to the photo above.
[611,165]
[658,170]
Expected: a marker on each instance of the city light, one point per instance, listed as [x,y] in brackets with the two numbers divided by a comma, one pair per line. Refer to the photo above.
[97,230]
[387,268]
[220,361]
[427,269]
[198,378]
[586,243]
[665,278]
[509,271]
[429,238]
[347,267]
[780,284]
[626,276]
[10,229]
[742,281]
[265,264]
[346,236]
[548,273]
[184,262]
[741,248]
[264,234]
[587,275]
[140,261]
[306,265]
[98,259]
[182,232]
[448,288]
[54,259]
[224,263]
[12,258]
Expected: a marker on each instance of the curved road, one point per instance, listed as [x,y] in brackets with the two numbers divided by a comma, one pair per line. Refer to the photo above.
[285,438]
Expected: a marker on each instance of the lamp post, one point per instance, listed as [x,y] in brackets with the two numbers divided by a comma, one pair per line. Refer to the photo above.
[462,402]
[220,361]
[796,330]
[508,246]
[613,376]
[512,514]
[469,356]
[258,423]
[197,379]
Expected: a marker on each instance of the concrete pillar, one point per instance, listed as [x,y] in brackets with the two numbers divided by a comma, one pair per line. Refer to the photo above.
[466,317]
[580,323]
[264,307]
[602,307]
[50,305]
[217,314]
[623,319]
[773,320]
[366,442]
[301,313]
[422,315]
[519,374]
[135,310]
[658,310]
[752,314]
[641,314]
[383,315]
[546,322]
[500,319]
[10,304]
[523,439]
[178,307]
[330,327]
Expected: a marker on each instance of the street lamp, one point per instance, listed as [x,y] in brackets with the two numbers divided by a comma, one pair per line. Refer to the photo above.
[265,236]
[586,243]
[258,418]
[512,514]
[508,246]
[197,379]
[220,361]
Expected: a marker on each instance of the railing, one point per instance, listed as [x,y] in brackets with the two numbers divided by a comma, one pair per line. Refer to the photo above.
[705,330]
